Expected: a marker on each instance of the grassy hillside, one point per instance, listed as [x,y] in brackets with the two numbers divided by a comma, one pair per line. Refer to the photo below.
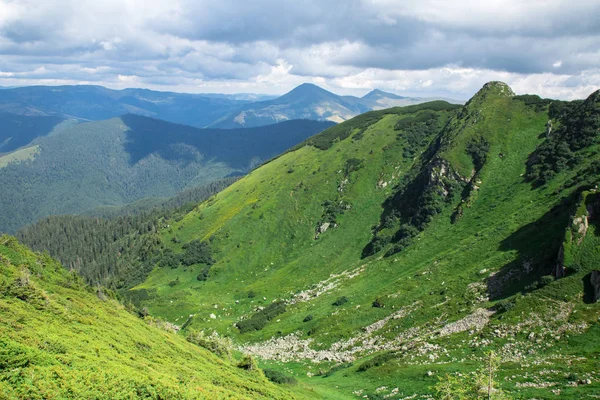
[62,339]
[122,160]
[402,246]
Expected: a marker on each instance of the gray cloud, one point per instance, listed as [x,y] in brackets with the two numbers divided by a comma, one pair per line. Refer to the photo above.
[201,45]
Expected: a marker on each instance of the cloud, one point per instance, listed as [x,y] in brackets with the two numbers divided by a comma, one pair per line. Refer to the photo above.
[349,46]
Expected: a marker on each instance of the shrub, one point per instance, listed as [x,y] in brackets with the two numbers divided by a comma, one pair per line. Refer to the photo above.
[203,275]
[251,294]
[23,288]
[261,318]
[214,343]
[376,245]
[573,268]
[308,318]
[174,282]
[340,301]
[535,285]
[336,368]
[352,164]
[505,305]
[143,312]
[247,363]
[197,252]
[278,377]
[376,361]
[169,259]
[478,149]
[546,280]
[378,303]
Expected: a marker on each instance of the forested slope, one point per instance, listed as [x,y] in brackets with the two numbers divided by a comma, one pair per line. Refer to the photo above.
[122,160]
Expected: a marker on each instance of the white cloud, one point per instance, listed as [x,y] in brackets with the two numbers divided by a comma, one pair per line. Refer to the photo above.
[424,47]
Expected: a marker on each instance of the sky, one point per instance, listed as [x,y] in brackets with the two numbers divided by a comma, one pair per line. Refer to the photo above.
[409,47]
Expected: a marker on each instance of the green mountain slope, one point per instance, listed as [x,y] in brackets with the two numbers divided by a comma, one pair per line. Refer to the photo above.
[408,242]
[61,339]
[117,251]
[122,160]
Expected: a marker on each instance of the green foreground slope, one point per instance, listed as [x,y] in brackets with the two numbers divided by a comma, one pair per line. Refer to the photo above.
[401,246]
[60,339]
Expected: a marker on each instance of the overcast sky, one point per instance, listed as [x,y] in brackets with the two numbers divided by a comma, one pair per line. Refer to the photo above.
[413,47]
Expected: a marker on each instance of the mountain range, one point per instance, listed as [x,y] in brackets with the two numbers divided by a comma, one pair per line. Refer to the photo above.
[427,251]
[92,103]
[309,101]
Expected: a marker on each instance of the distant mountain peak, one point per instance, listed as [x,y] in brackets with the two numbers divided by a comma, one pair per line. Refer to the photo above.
[308,88]
[377,94]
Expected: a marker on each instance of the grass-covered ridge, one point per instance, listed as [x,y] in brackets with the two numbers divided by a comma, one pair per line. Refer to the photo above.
[62,339]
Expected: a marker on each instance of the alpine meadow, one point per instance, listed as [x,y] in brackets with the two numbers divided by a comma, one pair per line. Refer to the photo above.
[417,216]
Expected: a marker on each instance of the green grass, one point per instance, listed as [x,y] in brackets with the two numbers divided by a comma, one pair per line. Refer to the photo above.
[20,155]
[58,339]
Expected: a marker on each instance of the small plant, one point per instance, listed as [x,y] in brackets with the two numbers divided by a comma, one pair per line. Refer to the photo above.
[278,377]
[247,363]
[308,318]
[174,282]
[573,269]
[480,385]
[340,301]
[546,280]
[214,343]
[143,312]
[376,361]
[251,294]
[336,368]
[203,275]
[378,303]
[505,305]
[261,318]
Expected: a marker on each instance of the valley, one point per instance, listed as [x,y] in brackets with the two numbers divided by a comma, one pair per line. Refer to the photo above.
[401,254]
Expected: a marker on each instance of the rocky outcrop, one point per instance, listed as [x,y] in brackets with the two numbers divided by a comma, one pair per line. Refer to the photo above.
[441,174]
[578,228]
[475,321]
[323,228]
